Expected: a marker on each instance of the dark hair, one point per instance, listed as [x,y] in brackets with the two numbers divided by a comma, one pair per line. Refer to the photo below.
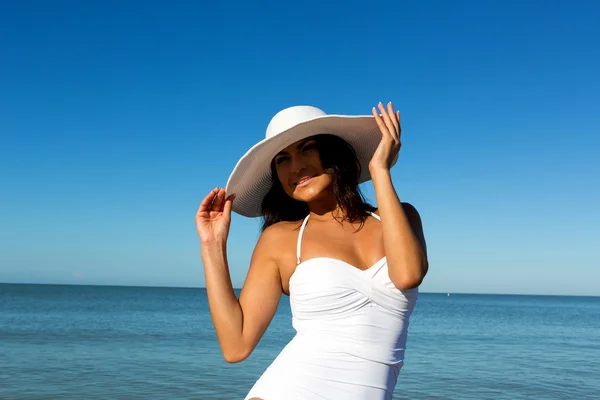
[339,160]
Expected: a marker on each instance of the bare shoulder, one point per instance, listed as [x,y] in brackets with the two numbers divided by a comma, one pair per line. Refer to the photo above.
[280,231]
[414,219]
[268,255]
[276,237]
[411,213]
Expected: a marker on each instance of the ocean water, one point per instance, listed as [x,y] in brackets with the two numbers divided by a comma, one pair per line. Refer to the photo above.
[95,342]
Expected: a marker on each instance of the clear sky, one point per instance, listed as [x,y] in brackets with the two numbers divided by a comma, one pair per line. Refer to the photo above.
[116,118]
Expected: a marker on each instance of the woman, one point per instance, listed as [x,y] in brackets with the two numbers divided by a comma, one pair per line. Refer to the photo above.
[351,270]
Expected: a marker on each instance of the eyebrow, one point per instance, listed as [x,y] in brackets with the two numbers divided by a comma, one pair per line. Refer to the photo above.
[302,143]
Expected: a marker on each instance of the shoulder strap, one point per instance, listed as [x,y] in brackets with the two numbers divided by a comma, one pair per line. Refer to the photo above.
[299,245]
[375,215]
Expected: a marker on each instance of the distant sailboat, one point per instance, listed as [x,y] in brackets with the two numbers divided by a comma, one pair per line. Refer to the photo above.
[448,294]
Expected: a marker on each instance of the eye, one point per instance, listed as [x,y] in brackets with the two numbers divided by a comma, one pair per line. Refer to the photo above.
[309,146]
[279,160]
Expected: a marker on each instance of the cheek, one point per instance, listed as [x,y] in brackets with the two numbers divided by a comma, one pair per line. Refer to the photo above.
[282,175]
[315,160]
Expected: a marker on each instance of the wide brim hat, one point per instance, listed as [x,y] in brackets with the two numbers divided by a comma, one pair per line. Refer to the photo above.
[251,178]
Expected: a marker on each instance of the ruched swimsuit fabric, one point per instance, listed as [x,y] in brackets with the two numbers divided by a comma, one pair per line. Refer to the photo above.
[351,330]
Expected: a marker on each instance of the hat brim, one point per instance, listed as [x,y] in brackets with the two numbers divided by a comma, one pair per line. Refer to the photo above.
[251,179]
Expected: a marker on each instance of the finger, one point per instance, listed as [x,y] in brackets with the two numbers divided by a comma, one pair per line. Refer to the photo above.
[380,123]
[387,120]
[388,117]
[219,200]
[228,205]
[399,124]
[392,115]
[206,204]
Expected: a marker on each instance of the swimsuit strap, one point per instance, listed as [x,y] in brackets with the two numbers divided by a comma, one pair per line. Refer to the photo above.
[299,245]
[375,215]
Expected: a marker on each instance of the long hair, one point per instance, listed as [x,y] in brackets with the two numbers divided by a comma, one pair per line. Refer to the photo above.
[340,161]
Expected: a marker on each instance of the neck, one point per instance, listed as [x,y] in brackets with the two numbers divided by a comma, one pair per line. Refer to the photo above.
[326,209]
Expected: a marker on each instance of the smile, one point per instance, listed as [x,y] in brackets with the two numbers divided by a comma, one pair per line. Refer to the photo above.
[304,181]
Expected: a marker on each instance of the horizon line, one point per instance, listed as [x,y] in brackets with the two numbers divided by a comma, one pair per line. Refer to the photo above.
[204,287]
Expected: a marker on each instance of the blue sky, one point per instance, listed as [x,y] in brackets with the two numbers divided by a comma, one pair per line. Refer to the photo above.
[116,118]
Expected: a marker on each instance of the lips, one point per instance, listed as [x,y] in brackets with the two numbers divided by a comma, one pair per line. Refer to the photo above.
[303,180]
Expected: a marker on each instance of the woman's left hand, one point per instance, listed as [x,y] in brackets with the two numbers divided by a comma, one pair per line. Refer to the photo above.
[389,147]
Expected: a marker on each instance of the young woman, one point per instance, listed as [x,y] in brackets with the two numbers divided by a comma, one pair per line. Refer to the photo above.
[351,270]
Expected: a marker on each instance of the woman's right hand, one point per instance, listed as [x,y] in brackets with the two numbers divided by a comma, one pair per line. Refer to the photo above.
[214,217]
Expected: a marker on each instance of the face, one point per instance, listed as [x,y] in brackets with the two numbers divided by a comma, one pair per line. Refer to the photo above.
[301,172]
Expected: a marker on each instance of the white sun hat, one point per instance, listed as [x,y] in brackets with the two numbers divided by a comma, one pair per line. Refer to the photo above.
[251,178]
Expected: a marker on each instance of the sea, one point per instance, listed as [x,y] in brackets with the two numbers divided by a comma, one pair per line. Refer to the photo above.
[109,342]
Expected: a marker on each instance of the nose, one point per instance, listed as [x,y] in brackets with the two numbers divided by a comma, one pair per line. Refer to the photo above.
[297,163]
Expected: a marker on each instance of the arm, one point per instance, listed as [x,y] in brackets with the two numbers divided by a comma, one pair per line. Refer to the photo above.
[239,324]
[403,238]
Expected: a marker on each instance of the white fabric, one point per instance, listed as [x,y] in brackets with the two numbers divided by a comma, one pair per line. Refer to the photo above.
[299,245]
[351,331]
[250,179]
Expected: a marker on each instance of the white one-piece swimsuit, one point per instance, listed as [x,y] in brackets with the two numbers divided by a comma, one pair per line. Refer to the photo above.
[351,329]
